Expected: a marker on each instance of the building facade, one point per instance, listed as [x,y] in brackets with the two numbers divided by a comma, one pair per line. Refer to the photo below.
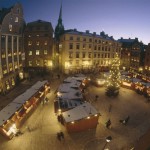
[11,46]
[38,44]
[85,51]
[147,60]
[132,54]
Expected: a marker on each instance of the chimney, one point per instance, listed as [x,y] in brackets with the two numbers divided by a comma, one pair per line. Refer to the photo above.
[87,31]
[94,33]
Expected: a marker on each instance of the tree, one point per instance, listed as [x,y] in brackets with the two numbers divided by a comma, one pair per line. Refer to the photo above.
[113,82]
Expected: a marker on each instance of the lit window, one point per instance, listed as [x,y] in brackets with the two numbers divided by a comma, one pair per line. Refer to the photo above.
[45,43]
[30,63]
[29,43]
[10,27]
[4,71]
[70,55]
[16,19]
[37,35]
[3,55]
[38,43]
[30,53]
[45,52]
[37,52]
[45,62]
[37,62]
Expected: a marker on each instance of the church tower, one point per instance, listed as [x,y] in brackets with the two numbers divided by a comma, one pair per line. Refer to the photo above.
[59,28]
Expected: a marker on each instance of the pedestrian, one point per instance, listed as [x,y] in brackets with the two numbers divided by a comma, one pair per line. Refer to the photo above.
[59,136]
[108,124]
[62,134]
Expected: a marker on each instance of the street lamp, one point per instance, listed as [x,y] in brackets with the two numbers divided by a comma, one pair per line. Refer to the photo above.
[108,139]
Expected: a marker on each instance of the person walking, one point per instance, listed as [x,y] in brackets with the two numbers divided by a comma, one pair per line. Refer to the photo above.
[62,134]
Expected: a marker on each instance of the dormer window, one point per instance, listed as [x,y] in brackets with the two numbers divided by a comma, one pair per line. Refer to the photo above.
[10,27]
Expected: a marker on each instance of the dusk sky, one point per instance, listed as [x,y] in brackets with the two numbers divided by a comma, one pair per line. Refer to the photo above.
[118,18]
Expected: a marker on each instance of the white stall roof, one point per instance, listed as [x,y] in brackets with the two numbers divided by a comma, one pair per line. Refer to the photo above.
[66,87]
[11,108]
[71,95]
[25,96]
[8,111]
[80,112]
[39,84]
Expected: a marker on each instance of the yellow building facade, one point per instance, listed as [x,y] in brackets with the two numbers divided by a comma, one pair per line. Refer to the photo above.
[86,52]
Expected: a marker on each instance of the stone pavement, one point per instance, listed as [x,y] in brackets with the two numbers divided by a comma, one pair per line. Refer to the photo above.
[43,124]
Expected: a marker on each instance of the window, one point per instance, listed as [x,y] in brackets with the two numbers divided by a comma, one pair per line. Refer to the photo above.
[95,41]
[45,62]
[37,62]
[45,43]
[30,53]
[45,52]
[16,19]
[78,38]
[90,46]
[10,27]
[89,55]
[77,55]
[37,52]
[71,38]
[77,46]
[70,55]
[84,39]
[95,47]
[83,55]
[3,56]
[99,48]
[70,46]
[37,43]
[98,55]
[29,43]
[84,45]
[90,40]
[94,55]
[30,63]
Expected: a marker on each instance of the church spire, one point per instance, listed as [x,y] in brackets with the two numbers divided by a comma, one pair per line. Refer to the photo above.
[59,27]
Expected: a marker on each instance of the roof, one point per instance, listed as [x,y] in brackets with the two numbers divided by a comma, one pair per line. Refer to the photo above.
[68,103]
[87,33]
[80,112]
[68,87]
[8,111]
[73,95]
[17,103]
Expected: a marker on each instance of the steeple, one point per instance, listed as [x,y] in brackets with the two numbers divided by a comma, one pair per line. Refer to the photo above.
[59,27]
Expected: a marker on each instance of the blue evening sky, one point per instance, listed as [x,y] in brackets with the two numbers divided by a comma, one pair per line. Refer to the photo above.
[118,18]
